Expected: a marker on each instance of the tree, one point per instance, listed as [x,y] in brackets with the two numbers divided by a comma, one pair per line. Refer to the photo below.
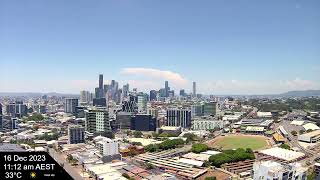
[311,174]
[126,175]
[284,146]
[309,130]
[35,117]
[210,178]
[69,158]
[198,148]
[155,135]
[229,156]
[190,137]
[302,131]
[136,143]
[137,134]
[151,148]
[294,133]
[149,166]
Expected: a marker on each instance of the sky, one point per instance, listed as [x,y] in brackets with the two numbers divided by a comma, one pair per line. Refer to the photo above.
[226,46]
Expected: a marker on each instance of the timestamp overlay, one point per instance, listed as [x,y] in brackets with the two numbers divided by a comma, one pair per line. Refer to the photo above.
[30,165]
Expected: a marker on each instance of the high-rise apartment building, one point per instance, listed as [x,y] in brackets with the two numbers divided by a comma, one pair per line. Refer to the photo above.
[97,121]
[142,103]
[70,105]
[194,88]
[179,117]
[153,95]
[75,134]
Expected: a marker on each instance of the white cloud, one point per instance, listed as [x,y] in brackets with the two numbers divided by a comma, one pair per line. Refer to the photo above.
[155,78]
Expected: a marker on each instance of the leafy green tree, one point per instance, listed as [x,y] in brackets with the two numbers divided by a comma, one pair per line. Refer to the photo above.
[309,130]
[152,148]
[198,148]
[302,131]
[210,178]
[190,137]
[149,166]
[284,146]
[294,133]
[229,156]
[137,134]
[155,135]
[69,158]
[35,117]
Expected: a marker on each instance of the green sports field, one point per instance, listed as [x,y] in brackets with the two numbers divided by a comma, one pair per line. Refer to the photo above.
[234,142]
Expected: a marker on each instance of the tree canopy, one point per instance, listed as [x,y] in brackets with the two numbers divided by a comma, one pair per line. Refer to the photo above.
[230,156]
[167,144]
[198,148]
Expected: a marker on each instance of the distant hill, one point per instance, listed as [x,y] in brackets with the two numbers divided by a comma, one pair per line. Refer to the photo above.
[35,94]
[305,93]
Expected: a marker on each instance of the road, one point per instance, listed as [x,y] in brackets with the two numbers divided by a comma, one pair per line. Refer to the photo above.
[59,159]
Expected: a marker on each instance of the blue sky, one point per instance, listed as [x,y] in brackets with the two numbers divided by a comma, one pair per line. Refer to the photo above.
[227,47]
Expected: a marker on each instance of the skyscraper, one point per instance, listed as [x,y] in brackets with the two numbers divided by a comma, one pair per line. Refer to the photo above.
[194,92]
[142,103]
[153,95]
[166,88]
[70,105]
[100,81]
[179,117]
[182,92]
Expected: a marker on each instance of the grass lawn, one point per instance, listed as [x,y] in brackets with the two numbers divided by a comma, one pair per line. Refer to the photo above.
[234,142]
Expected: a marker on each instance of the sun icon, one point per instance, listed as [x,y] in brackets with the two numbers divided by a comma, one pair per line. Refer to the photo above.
[33,174]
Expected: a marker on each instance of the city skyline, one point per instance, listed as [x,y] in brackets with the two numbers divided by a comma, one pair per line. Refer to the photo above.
[234,48]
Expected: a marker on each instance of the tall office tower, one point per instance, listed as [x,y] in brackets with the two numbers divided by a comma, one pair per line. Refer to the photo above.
[179,117]
[97,121]
[210,108]
[100,81]
[194,92]
[75,134]
[182,93]
[0,109]
[125,90]
[142,103]
[70,105]
[83,96]
[153,95]
[21,109]
[166,88]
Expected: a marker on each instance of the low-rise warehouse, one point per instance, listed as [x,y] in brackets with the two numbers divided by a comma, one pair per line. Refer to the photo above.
[311,137]
[281,155]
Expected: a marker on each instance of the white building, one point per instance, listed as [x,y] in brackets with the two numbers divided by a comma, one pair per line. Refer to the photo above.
[270,170]
[264,114]
[311,137]
[206,123]
[107,146]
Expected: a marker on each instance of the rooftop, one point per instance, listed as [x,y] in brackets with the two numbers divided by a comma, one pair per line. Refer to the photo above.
[283,154]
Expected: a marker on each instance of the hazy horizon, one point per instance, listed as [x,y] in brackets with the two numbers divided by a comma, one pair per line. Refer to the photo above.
[247,47]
